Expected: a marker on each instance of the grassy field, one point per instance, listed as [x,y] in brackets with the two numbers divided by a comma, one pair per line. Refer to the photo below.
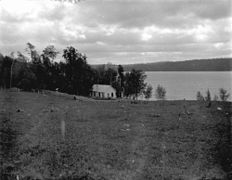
[112,140]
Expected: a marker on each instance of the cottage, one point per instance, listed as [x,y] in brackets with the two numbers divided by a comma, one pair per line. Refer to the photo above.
[103,91]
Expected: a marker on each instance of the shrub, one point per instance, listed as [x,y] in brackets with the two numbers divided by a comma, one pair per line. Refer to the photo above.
[148,92]
[224,95]
[160,92]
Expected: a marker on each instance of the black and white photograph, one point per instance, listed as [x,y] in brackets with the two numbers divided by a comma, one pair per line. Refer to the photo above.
[115,90]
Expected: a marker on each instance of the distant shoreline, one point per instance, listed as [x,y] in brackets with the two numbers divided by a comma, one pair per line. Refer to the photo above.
[214,64]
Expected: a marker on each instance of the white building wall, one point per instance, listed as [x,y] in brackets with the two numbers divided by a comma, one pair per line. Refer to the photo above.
[103,91]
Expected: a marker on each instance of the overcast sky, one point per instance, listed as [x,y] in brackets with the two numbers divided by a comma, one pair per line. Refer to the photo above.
[120,31]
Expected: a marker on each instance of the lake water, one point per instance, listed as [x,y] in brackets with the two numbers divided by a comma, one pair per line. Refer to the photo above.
[180,85]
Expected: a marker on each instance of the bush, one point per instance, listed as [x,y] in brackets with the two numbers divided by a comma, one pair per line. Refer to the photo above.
[224,95]
[160,92]
[148,92]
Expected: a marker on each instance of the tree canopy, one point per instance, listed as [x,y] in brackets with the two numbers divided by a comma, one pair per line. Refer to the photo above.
[134,83]
[74,76]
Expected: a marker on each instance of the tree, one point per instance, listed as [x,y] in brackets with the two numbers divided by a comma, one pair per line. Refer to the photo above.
[30,49]
[106,75]
[208,96]
[51,72]
[72,56]
[35,57]
[27,79]
[74,76]
[21,57]
[200,97]
[134,83]
[79,74]
[110,76]
[37,66]
[160,92]
[121,75]
[5,72]
[17,66]
[224,95]
[148,92]
[50,52]
[11,70]
[39,71]
[120,82]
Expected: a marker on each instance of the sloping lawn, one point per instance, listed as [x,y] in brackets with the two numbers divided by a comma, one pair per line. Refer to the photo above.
[112,140]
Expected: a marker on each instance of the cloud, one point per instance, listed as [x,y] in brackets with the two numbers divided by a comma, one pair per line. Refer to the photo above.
[162,12]
[122,31]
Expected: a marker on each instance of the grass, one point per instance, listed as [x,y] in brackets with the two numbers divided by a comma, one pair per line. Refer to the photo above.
[111,140]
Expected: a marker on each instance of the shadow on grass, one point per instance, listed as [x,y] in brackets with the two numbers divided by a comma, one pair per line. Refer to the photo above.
[7,144]
[223,149]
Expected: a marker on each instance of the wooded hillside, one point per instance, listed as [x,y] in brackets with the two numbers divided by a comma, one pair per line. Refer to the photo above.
[217,64]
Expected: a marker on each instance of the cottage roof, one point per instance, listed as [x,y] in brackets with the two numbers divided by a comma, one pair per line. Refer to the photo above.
[103,88]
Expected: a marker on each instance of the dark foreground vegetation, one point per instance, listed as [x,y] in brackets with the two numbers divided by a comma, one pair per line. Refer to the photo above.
[109,140]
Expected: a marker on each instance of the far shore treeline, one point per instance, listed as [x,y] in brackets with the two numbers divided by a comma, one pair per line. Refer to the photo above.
[213,64]
[35,72]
